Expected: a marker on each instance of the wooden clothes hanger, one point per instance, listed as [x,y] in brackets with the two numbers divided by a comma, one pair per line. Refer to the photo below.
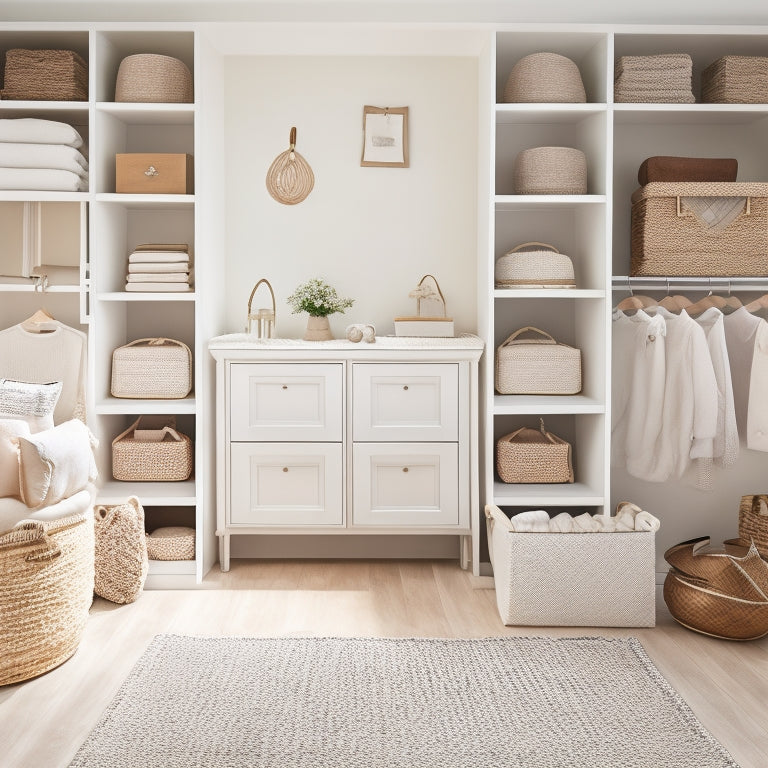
[635,302]
[675,303]
[757,304]
[41,321]
[711,300]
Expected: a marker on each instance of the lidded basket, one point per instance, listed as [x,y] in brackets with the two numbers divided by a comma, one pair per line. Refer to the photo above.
[544,77]
[550,171]
[153,78]
[534,265]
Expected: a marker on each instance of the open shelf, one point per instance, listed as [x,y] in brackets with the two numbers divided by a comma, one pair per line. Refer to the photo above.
[521,202]
[157,114]
[178,494]
[564,114]
[544,404]
[147,296]
[548,293]
[118,405]
[547,494]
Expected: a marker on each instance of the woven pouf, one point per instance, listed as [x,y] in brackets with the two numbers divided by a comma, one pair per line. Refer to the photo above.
[151,78]
[550,171]
[544,77]
[46,590]
[171,543]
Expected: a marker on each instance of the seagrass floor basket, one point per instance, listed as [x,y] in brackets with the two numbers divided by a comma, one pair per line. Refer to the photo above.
[46,591]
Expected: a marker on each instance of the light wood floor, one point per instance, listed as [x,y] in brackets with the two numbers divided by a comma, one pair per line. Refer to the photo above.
[43,721]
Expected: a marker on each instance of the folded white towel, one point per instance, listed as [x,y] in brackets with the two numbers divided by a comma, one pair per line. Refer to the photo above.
[585,524]
[157,257]
[562,523]
[604,523]
[158,287]
[59,156]
[170,277]
[625,518]
[171,266]
[645,521]
[534,521]
[42,179]
[32,130]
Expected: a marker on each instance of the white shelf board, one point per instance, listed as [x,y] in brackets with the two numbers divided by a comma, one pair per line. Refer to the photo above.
[558,114]
[541,404]
[523,202]
[180,202]
[73,112]
[42,196]
[689,114]
[548,293]
[172,568]
[118,405]
[25,288]
[546,494]
[152,114]
[148,296]
[181,494]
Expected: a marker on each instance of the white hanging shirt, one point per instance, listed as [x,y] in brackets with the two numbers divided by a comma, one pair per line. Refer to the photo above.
[639,371]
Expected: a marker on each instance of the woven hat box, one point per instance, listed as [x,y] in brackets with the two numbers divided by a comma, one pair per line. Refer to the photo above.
[544,77]
[534,456]
[550,171]
[152,78]
[534,265]
[152,368]
[537,366]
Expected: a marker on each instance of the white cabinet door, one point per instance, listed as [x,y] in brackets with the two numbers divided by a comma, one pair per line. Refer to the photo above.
[405,401]
[283,484]
[401,484]
[295,401]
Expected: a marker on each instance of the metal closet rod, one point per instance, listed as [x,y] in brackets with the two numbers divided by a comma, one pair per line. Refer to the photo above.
[668,284]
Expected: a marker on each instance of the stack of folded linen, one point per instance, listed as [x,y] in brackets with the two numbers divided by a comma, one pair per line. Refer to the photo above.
[665,78]
[41,155]
[159,267]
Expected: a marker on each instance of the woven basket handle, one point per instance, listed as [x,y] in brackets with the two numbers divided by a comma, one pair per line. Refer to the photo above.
[31,534]
[759,503]
[512,435]
[127,432]
[529,328]
[533,242]
[158,342]
[161,434]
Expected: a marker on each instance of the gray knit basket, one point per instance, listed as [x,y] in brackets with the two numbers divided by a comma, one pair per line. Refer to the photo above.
[544,77]
[550,171]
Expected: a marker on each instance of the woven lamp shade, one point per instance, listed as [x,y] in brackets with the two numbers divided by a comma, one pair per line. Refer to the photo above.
[289,178]
[153,78]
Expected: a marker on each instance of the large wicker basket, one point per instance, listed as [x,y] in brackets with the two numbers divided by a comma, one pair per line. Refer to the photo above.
[669,239]
[550,171]
[45,75]
[534,456]
[534,265]
[753,521]
[151,77]
[151,455]
[46,591]
[736,80]
[544,77]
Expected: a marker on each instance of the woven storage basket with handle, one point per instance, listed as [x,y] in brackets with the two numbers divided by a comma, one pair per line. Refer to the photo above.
[736,80]
[151,77]
[534,265]
[153,368]
[171,543]
[544,77]
[147,455]
[550,171]
[538,366]
[534,456]
[753,521]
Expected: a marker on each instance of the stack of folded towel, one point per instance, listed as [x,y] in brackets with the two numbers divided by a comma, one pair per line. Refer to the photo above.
[629,517]
[665,78]
[41,155]
[159,267]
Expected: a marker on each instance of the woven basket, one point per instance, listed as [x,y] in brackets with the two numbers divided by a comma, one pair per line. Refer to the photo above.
[171,543]
[753,521]
[153,368]
[147,455]
[151,77]
[45,75]
[46,590]
[534,456]
[121,551]
[667,239]
[544,77]
[534,265]
[736,80]
[539,366]
[550,171]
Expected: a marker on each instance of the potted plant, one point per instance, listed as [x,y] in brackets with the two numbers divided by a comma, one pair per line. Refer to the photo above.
[318,300]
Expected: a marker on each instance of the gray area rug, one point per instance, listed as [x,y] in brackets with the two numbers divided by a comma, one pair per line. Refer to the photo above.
[397,703]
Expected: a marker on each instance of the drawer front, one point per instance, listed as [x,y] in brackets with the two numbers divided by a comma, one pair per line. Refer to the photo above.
[402,402]
[284,484]
[396,484]
[288,402]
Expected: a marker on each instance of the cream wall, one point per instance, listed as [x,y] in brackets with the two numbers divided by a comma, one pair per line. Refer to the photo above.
[371,232]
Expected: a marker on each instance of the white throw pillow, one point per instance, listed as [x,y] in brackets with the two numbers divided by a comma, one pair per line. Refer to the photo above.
[56,463]
[34,403]
[10,432]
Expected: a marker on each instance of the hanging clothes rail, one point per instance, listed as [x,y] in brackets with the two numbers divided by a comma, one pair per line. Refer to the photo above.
[668,284]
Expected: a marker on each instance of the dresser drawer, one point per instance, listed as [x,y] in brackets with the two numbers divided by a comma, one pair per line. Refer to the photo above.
[405,484]
[284,484]
[405,401]
[279,402]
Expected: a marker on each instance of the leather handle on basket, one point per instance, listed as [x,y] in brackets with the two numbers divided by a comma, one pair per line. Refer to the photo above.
[548,339]
[533,242]
[157,341]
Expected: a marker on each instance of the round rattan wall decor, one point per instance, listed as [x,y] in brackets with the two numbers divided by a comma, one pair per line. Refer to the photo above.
[289,178]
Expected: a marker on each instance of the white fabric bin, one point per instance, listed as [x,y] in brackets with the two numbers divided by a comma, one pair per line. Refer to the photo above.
[572,579]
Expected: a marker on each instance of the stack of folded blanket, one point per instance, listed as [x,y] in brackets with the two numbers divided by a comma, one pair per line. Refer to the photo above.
[41,155]
[665,78]
[159,267]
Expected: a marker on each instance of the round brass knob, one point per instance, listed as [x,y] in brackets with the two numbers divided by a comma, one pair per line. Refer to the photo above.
[405,386]
[285,386]
[285,469]
[405,469]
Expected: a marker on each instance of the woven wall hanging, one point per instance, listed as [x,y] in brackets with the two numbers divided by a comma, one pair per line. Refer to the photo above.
[289,178]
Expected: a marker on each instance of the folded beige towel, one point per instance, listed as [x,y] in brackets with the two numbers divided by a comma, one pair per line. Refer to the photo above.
[562,523]
[534,521]
[169,277]
[171,266]
[585,524]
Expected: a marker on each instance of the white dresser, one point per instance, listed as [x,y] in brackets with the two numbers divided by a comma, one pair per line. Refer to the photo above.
[336,437]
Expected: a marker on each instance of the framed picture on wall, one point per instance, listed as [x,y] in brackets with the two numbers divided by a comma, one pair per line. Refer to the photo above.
[385,137]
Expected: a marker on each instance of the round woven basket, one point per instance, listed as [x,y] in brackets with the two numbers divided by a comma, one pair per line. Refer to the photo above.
[550,171]
[151,77]
[544,77]
[171,543]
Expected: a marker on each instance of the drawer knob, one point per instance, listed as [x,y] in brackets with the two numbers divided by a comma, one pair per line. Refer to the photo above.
[405,469]
[285,386]
[285,469]
[405,386]
[151,171]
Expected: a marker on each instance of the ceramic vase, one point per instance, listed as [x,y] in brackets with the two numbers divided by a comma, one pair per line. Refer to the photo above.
[318,329]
